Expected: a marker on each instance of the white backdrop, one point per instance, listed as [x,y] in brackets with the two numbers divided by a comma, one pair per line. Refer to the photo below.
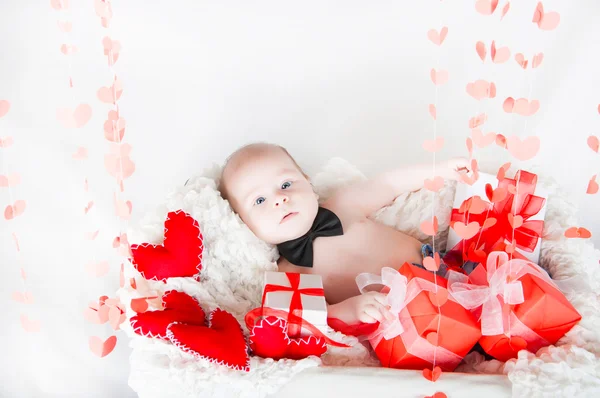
[323,78]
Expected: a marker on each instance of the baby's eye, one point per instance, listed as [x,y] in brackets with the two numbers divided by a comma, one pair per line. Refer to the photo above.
[286,185]
[259,200]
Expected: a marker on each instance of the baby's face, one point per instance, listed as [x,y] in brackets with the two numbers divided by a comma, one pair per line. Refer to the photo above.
[272,196]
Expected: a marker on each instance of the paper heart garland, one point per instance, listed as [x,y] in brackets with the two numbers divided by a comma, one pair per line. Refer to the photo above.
[432,375]
[436,37]
[269,339]
[545,20]
[222,342]
[480,89]
[578,232]
[180,255]
[102,348]
[178,307]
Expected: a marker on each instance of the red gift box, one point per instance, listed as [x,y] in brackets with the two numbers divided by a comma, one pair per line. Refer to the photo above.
[423,334]
[518,304]
[519,202]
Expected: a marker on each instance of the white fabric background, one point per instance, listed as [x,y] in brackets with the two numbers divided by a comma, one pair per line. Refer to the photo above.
[323,78]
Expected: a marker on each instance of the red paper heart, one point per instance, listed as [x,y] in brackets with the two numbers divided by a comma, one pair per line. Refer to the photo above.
[432,375]
[269,339]
[180,255]
[179,307]
[222,342]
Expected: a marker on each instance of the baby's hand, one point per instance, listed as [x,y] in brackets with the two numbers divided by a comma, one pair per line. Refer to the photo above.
[455,167]
[367,308]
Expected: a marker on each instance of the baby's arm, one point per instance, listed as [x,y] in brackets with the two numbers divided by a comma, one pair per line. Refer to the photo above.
[380,191]
[367,308]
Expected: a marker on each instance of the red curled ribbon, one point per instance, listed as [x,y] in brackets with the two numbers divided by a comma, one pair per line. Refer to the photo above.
[493,238]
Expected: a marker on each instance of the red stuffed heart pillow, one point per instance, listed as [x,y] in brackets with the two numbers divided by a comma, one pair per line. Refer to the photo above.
[269,339]
[180,255]
[179,307]
[222,342]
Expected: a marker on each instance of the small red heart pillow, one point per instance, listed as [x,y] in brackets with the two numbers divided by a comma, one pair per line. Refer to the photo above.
[269,339]
[179,307]
[222,342]
[180,255]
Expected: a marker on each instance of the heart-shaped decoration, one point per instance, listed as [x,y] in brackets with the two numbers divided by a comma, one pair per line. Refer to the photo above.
[110,95]
[499,55]
[578,232]
[437,38]
[269,339]
[482,140]
[433,338]
[523,149]
[514,221]
[432,263]
[439,77]
[469,143]
[10,181]
[433,145]
[222,342]
[537,60]
[501,140]
[495,195]
[438,298]
[430,227]
[59,4]
[480,89]
[489,222]
[486,7]
[68,49]
[433,111]
[64,26]
[473,205]
[477,121]
[545,20]
[74,118]
[15,210]
[178,307]
[502,171]
[520,58]
[432,375]
[521,106]
[180,255]
[30,325]
[592,187]
[434,185]
[594,143]
[102,348]
[466,231]
[4,107]
[22,297]
[509,248]
[439,394]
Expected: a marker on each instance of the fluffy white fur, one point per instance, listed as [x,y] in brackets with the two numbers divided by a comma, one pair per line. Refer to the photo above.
[234,261]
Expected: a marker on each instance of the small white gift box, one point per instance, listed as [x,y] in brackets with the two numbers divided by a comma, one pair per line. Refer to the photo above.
[308,295]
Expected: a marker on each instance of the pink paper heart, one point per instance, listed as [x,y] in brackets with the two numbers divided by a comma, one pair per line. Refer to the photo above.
[439,77]
[122,208]
[537,60]
[469,143]
[69,49]
[120,167]
[482,140]
[64,26]
[102,348]
[91,235]
[505,9]
[5,142]
[433,338]
[480,89]
[433,145]
[499,55]
[477,121]
[523,149]
[466,231]
[430,227]
[521,106]
[115,317]
[437,38]
[433,111]
[489,222]
[97,316]
[514,221]
[486,7]
[59,4]
[10,180]
[111,50]
[545,20]
[110,95]
[74,118]
[438,298]
[432,263]
[114,129]
[594,143]
[103,9]
[98,269]
[15,210]
[88,207]
[80,154]
[434,185]
[4,107]
[520,58]
[592,187]
[481,51]
[29,325]
[22,297]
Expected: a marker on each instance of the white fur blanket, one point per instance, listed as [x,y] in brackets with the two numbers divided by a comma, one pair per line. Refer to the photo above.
[234,260]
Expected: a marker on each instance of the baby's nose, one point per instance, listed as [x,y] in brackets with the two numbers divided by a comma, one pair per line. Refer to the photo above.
[280,200]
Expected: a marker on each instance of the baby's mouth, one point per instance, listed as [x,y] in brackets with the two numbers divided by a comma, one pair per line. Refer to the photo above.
[288,216]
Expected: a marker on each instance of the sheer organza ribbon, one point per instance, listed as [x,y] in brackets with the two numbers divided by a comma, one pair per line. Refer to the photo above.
[401,293]
[503,287]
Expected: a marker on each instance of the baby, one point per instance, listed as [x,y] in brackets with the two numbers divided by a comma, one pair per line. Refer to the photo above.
[335,239]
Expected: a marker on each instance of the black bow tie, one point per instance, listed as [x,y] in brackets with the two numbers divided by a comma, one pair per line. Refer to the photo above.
[299,251]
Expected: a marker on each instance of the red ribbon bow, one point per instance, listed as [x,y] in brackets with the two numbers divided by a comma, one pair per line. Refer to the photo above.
[493,238]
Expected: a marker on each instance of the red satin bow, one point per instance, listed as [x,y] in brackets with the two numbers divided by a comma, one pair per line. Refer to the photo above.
[493,238]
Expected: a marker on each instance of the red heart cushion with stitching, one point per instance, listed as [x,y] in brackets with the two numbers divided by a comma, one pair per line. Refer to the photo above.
[222,342]
[269,339]
[180,255]
[179,307]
